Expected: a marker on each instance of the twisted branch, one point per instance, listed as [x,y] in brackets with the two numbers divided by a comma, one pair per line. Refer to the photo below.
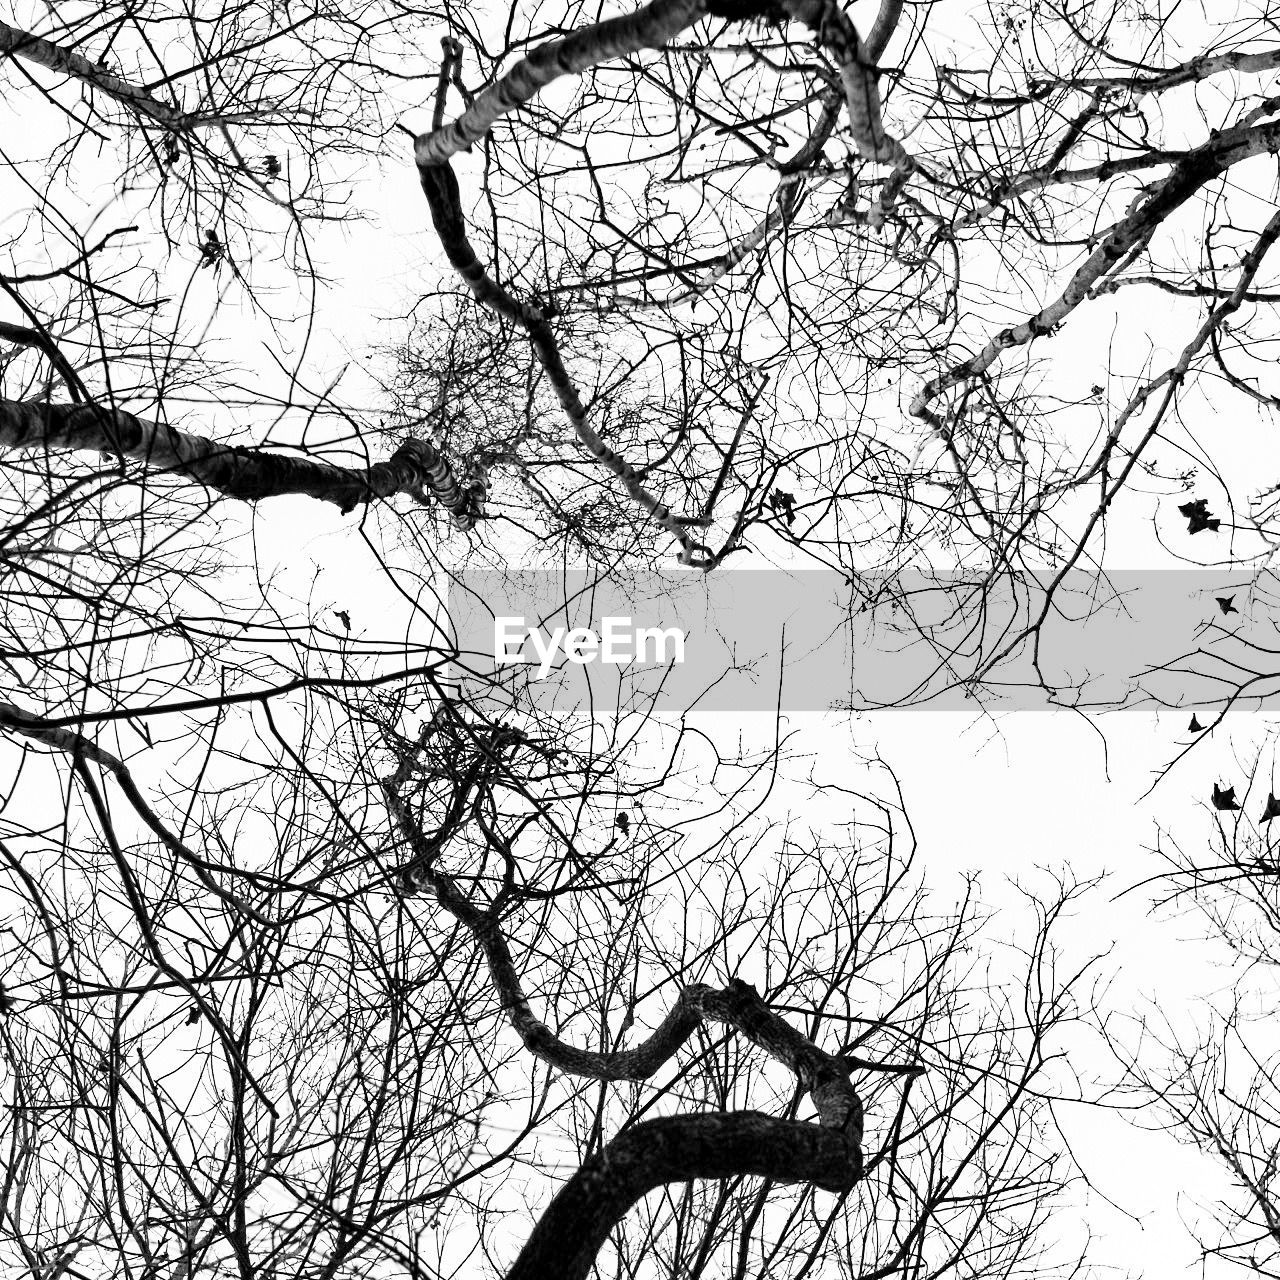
[738,1005]
[649,27]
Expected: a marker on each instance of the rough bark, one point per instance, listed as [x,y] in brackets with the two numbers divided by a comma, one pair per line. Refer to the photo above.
[416,468]
[651,27]
[576,1224]
[66,62]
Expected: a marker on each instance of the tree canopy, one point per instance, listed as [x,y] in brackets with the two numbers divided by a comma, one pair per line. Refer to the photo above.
[326,952]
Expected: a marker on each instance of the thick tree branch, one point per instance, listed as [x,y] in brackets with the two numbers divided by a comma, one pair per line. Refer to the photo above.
[824,1076]
[650,27]
[66,62]
[858,75]
[885,25]
[1191,72]
[1197,168]
[21,336]
[578,1221]
[673,1149]
[415,468]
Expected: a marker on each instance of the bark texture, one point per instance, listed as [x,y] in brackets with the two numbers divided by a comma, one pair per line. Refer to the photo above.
[716,1145]
[1193,171]
[67,62]
[416,468]
[648,28]
[97,76]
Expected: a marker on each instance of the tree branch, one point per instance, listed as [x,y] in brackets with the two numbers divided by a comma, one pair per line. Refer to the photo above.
[248,474]
[824,1076]
[441,188]
[1197,168]
[62,61]
[578,1221]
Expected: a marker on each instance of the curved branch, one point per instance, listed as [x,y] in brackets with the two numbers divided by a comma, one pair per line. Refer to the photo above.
[882,30]
[824,1076]
[21,336]
[647,28]
[578,1221]
[651,27]
[441,188]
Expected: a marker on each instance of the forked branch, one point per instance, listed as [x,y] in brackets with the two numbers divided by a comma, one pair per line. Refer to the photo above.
[1193,171]
[650,27]
[674,1149]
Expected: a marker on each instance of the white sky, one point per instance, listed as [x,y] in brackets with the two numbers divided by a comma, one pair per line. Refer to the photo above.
[1029,790]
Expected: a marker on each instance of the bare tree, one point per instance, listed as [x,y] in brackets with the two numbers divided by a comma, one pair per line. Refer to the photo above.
[431,970]
[314,966]
[811,307]
[960,1143]
[1212,1083]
